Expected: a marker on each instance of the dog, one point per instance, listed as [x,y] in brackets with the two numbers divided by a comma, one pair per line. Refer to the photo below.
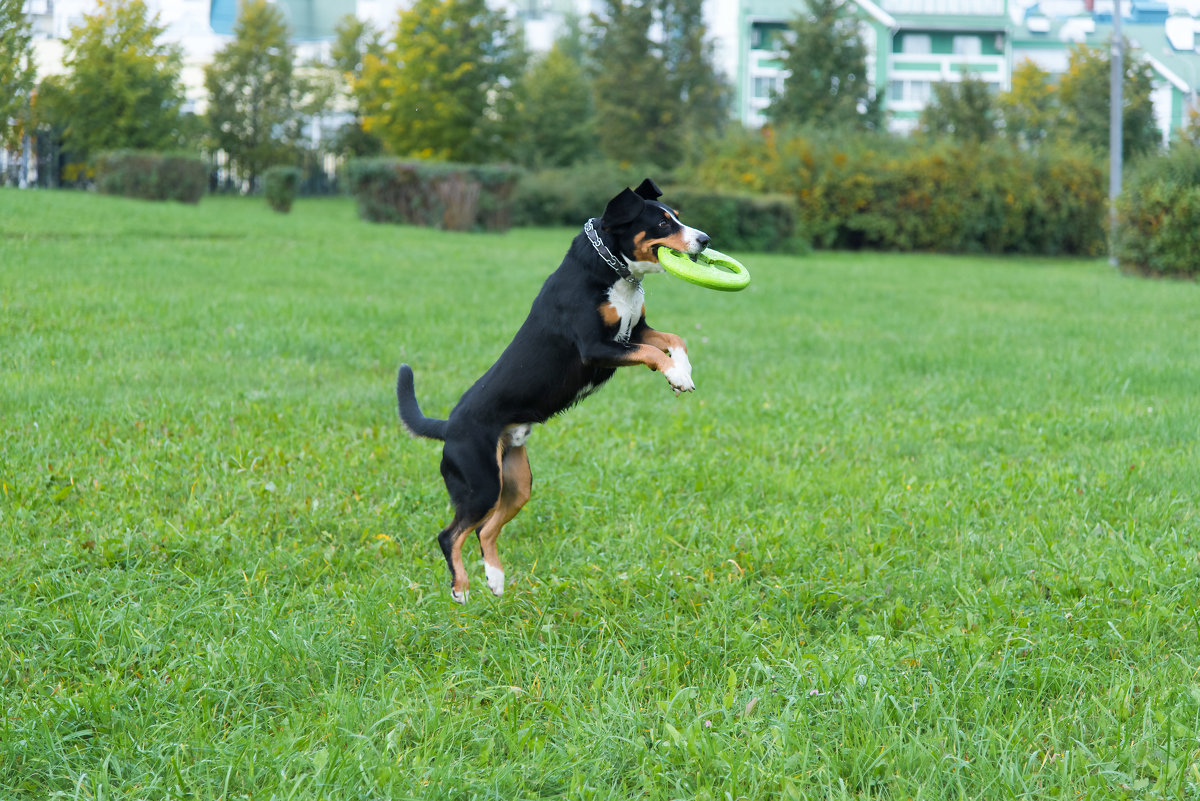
[588,319]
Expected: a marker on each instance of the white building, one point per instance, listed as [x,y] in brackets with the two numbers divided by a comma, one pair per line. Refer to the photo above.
[912,43]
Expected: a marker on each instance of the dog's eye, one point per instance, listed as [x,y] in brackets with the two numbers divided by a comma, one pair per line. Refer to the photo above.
[664,225]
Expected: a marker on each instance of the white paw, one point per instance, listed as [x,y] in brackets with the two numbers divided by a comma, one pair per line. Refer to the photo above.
[459,597]
[680,380]
[495,579]
[679,377]
[680,357]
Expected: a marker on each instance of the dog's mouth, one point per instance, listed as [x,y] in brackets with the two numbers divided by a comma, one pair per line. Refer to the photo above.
[695,257]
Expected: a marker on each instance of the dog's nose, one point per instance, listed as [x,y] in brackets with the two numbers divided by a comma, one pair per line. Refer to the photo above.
[702,240]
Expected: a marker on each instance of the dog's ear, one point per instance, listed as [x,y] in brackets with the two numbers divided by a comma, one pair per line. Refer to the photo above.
[624,208]
[648,190]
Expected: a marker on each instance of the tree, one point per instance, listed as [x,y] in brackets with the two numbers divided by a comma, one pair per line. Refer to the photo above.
[1191,129]
[1030,107]
[963,111]
[555,114]
[353,40]
[688,56]
[17,73]
[637,103]
[826,62]
[443,84]
[1083,97]
[253,96]
[122,88]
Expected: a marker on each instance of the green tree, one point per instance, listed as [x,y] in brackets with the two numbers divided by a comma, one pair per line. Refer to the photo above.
[16,72]
[555,121]
[122,87]
[827,82]
[353,40]
[253,94]
[963,111]
[1083,93]
[637,102]
[1030,107]
[1190,133]
[441,88]
[688,57]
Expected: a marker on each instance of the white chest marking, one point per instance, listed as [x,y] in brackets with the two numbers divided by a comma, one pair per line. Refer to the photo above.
[628,299]
[516,434]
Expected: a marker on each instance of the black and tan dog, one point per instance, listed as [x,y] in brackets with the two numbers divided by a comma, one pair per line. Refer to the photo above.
[588,320]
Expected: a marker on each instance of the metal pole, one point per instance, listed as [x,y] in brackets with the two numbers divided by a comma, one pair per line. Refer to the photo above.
[1116,105]
[26,149]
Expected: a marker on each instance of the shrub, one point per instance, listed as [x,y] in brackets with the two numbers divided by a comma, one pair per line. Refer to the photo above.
[457,197]
[1158,215]
[151,176]
[868,191]
[1068,214]
[570,196]
[740,221]
[280,184]
[497,188]
[962,198]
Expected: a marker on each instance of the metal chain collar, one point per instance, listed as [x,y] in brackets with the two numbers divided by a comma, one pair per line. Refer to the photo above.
[590,229]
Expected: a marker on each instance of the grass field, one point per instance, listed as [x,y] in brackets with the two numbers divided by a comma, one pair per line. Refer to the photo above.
[929,527]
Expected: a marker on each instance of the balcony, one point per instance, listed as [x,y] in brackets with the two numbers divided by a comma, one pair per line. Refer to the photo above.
[911,76]
[945,67]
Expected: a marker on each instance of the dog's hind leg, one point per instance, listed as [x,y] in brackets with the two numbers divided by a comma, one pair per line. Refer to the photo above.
[516,481]
[473,478]
[451,541]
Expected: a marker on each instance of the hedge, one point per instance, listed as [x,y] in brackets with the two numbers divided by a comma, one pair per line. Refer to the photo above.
[280,184]
[456,197]
[569,196]
[863,191]
[1158,215]
[151,176]
[738,221]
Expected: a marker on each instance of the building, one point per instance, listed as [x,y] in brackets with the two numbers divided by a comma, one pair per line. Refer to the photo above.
[202,27]
[912,44]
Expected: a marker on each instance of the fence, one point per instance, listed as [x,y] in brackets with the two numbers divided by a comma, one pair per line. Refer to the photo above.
[42,163]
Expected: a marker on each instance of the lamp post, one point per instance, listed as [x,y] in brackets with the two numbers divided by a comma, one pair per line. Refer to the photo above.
[1116,104]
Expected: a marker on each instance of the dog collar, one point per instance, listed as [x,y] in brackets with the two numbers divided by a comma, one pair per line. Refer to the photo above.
[589,228]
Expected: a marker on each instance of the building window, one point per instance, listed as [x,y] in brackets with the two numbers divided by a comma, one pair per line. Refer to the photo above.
[917,92]
[768,36]
[916,44]
[968,46]
[766,86]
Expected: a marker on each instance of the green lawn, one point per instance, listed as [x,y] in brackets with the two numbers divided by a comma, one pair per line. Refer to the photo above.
[928,528]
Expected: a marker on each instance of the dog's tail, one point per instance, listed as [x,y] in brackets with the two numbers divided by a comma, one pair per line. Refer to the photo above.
[410,413]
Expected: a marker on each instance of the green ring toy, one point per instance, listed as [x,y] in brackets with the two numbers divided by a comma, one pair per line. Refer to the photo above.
[709,268]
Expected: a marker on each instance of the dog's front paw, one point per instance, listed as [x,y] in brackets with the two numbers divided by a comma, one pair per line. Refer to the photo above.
[679,374]
[680,379]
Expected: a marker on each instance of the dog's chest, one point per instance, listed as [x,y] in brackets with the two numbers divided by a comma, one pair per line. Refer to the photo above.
[626,302]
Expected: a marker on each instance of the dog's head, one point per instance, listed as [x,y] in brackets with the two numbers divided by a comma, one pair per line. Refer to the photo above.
[641,225]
